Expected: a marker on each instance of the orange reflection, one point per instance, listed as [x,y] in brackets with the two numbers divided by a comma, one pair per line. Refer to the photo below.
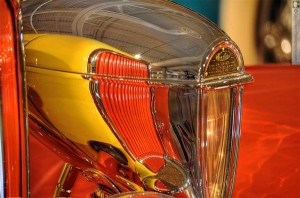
[269,158]
[128,106]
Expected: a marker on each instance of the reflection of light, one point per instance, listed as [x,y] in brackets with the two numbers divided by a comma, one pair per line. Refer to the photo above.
[137,56]
[286,46]
[204,144]
[270,41]
[209,133]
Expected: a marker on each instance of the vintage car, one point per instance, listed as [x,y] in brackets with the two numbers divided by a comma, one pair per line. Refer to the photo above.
[135,95]
[142,98]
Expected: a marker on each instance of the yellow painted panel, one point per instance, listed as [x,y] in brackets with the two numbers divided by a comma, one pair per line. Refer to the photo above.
[61,52]
[65,100]
[55,68]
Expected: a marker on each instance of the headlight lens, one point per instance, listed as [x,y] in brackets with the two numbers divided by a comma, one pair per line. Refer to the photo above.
[217,140]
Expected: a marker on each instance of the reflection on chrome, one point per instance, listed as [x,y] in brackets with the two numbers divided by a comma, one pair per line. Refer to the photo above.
[216,141]
[138,96]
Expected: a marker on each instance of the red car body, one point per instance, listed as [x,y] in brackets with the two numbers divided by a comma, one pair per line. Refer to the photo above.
[12,102]
[269,159]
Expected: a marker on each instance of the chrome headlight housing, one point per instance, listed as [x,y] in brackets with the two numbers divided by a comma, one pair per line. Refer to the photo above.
[160,99]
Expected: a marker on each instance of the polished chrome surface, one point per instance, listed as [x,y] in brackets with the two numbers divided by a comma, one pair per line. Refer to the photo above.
[173,130]
[215,143]
[236,129]
[66,181]
[171,39]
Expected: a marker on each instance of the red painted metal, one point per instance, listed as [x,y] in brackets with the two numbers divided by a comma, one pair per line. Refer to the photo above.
[162,118]
[128,105]
[268,163]
[269,157]
[11,98]
[111,64]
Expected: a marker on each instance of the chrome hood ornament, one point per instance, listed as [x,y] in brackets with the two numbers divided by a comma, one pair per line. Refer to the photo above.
[137,95]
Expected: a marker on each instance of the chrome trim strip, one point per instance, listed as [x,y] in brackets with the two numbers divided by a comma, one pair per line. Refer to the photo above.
[231,138]
[155,122]
[221,82]
[93,174]
[23,90]
[201,127]
[227,81]
[66,181]
[237,136]
[203,142]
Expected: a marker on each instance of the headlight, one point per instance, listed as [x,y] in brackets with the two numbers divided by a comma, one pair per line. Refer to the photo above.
[150,94]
